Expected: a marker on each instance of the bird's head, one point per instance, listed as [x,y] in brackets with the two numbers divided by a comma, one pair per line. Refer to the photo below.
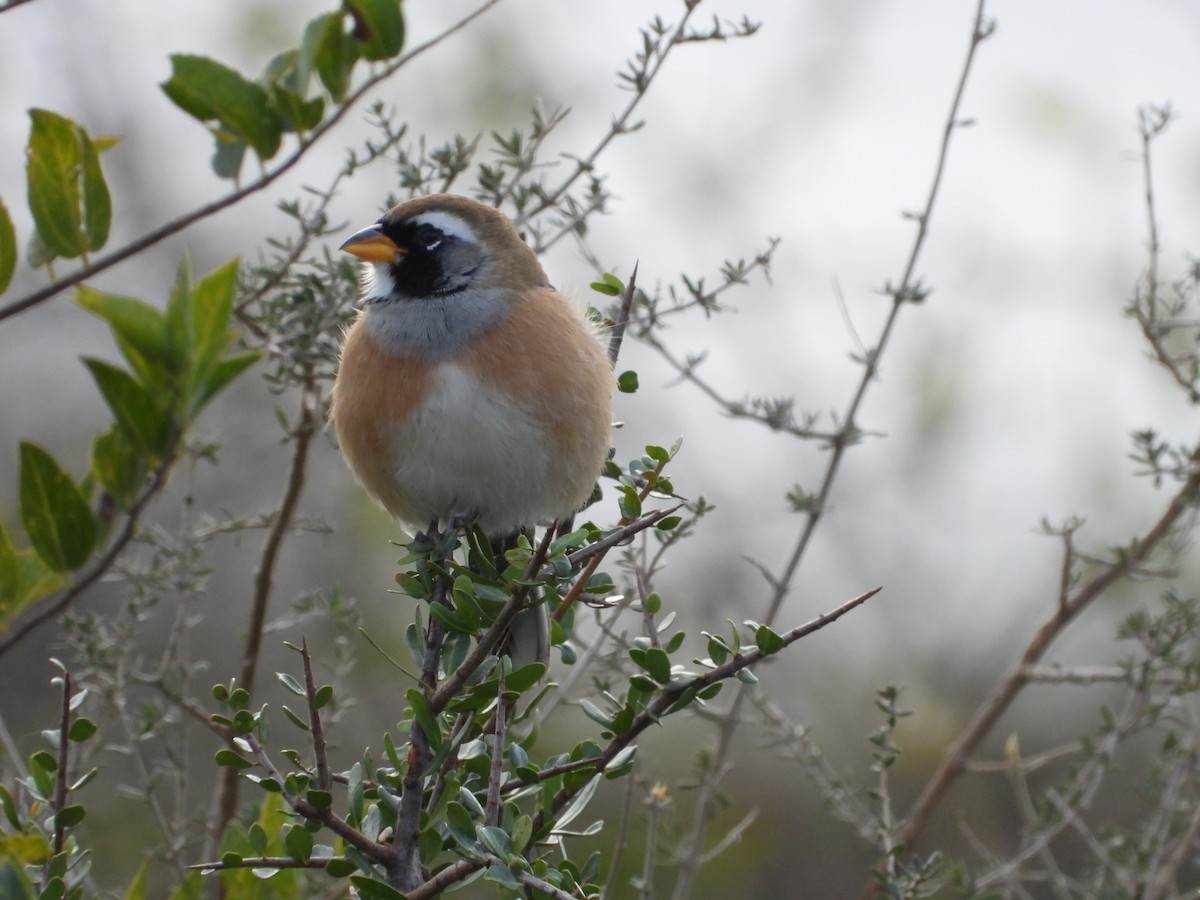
[442,246]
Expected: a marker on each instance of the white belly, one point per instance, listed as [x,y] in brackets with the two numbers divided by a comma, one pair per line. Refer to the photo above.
[467,451]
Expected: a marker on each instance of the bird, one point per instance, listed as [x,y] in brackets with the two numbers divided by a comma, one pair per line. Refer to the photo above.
[469,390]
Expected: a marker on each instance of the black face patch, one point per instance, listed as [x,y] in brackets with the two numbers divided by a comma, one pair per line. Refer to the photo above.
[421,271]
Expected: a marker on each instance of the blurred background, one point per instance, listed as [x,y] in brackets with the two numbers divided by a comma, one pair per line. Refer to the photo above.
[1007,396]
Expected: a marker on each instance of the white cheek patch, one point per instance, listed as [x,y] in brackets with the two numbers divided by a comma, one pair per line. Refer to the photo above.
[376,281]
[448,224]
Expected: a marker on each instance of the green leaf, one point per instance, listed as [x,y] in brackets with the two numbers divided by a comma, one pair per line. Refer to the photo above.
[141,333]
[117,466]
[767,640]
[197,331]
[227,157]
[24,578]
[300,115]
[81,729]
[97,204]
[8,248]
[256,835]
[220,375]
[461,825]
[210,91]
[378,27]
[60,525]
[134,408]
[9,805]
[595,713]
[298,842]
[212,307]
[424,716]
[178,317]
[331,52]
[295,719]
[521,833]
[13,881]
[67,194]
[658,664]
[9,574]
[291,684]
[746,676]
[502,875]
[339,868]
[450,619]
[496,840]
[137,887]
[319,799]
[227,757]
[609,285]
[70,816]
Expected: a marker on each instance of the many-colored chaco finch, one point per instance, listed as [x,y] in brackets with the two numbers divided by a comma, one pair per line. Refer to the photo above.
[469,389]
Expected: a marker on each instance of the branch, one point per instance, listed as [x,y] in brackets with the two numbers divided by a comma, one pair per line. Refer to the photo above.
[955,759]
[49,607]
[908,290]
[151,238]
[324,779]
[225,799]
[490,638]
[661,705]
[617,333]
[60,780]
[620,124]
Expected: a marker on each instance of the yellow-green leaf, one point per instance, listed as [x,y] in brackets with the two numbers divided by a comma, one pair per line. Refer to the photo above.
[33,580]
[52,167]
[68,196]
[211,308]
[8,248]
[141,333]
[97,203]
[137,887]
[60,524]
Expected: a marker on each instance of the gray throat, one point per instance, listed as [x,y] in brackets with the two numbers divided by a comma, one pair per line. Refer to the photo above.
[432,327]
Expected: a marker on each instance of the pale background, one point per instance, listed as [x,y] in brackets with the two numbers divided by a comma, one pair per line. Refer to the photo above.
[1008,396]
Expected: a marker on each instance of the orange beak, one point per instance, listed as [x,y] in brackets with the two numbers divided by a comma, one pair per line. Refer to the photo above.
[372,245]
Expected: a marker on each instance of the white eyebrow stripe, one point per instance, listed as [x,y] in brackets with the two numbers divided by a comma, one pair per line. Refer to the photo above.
[447,223]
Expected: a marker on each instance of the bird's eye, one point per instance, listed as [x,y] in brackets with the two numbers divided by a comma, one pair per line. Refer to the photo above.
[429,237]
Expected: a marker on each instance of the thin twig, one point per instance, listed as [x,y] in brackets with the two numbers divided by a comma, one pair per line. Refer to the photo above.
[314,720]
[989,711]
[60,780]
[901,295]
[489,639]
[662,703]
[620,124]
[491,812]
[226,796]
[617,334]
[151,238]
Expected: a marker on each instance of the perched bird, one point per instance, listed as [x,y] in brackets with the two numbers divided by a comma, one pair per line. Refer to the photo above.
[469,389]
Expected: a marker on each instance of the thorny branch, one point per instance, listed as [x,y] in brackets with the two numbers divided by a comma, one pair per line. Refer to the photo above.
[907,290]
